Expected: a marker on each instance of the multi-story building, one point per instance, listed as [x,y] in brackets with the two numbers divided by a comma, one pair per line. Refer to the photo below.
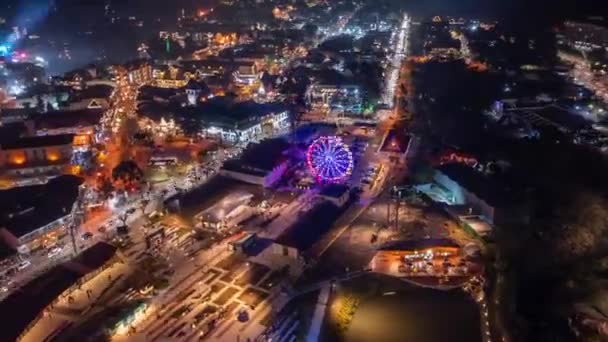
[227,212]
[36,157]
[209,67]
[262,164]
[35,216]
[83,124]
[138,72]
[242,122]
[246,72]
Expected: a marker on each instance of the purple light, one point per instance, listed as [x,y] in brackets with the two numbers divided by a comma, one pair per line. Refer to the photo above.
[329,159]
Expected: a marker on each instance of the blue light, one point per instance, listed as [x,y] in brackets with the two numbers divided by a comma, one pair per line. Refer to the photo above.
[329,159]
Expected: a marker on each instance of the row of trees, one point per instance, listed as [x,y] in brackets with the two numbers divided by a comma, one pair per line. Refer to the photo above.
[560,259]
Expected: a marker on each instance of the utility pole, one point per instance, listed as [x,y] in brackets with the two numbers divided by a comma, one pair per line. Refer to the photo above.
[388,213]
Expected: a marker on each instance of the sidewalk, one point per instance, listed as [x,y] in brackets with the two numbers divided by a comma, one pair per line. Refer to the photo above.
[319,315]
[71,311]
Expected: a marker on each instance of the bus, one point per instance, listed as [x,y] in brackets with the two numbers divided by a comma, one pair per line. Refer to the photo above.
[162,161]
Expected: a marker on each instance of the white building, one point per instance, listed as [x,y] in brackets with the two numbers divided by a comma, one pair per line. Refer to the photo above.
[253,128]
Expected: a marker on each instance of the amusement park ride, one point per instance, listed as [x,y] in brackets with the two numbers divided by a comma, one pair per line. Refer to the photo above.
[330,160]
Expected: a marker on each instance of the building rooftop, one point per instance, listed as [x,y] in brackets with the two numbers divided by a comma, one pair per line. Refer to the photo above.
[94,257]
[309,228]
[6,253]
[32,298]
[412,245]
[12,131]
[562,118]
[227,113]
[487,187]
[215,64]
[224,207]
[396,141]
[96,91]
[66,119]
[25,209]
[135,64]
[17,113]
[149,92]
[38,141]
[197,85]
[334,190]
[259,158]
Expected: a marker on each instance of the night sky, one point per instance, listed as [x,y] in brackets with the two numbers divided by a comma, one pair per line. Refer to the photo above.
[65,21]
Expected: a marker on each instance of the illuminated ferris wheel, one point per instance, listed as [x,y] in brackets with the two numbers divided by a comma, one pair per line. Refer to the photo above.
[329,159]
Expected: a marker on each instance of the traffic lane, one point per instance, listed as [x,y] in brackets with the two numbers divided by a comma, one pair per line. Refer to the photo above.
[40,263]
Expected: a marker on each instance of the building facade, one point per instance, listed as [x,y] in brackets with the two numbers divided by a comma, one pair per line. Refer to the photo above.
[251,129]
[38,216]
[138,72]
[340,98]
[37,156]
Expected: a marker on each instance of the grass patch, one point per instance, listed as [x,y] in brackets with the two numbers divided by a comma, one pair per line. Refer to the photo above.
[215,288]
[213,277]
[253,275]
[225,296]
[229,277]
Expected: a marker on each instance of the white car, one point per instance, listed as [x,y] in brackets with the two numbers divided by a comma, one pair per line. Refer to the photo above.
[23,265]
[54,252]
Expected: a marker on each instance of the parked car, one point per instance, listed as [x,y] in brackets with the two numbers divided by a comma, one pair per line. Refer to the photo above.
[23,265]
[54,252]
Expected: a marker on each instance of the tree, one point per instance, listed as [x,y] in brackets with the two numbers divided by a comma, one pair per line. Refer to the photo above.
[128,173]
[582,225]
[555,261]
[310,30]
[104,186]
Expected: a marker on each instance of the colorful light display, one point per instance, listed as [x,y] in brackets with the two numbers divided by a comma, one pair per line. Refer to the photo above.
[329,159]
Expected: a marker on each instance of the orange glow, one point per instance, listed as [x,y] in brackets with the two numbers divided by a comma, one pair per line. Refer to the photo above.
[18,160]
[80,140]
[52,156]
[75,170]
[478,66]
[225,39]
